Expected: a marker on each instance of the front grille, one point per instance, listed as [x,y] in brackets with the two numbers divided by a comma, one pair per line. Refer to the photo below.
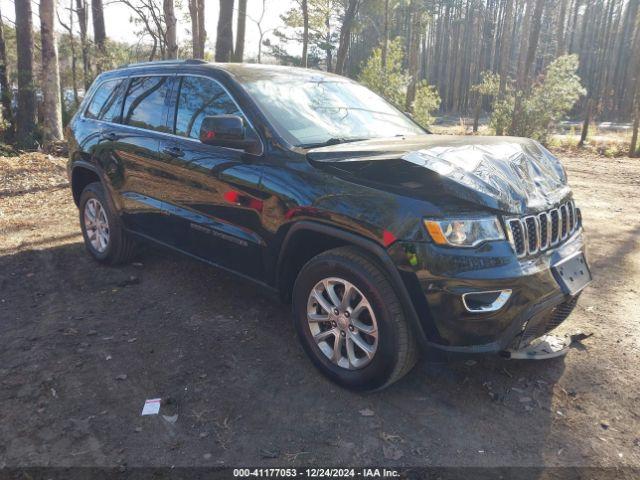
[536,233]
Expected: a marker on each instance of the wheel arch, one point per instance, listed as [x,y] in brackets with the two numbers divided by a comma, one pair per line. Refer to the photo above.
[295,252]
[82,174]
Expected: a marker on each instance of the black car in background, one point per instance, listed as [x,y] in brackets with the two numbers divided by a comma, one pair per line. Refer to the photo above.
[386,239]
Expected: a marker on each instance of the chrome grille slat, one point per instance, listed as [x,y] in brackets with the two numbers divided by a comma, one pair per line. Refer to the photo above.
[555,226]
[564,221]
[531,234]
[572,215]
[543,221]
[517,236]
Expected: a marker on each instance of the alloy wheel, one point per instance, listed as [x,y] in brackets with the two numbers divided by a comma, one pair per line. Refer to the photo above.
[96,225]
[342,323]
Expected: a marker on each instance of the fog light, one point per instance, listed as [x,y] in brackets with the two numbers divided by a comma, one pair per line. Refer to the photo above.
[482,302]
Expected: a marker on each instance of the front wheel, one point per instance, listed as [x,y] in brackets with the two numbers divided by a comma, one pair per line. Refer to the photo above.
[350,321]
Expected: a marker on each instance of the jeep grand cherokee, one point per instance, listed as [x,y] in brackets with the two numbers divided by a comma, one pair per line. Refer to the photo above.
[386,239]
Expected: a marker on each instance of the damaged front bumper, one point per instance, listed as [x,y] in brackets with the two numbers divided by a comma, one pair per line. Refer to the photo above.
[485,299]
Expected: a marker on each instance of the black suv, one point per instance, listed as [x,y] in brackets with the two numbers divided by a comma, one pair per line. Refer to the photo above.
[385,238]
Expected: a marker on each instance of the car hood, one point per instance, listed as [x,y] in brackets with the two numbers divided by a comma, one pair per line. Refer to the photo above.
[514,175]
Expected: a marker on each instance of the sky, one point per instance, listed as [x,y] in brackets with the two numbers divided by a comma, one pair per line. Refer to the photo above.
[119,27]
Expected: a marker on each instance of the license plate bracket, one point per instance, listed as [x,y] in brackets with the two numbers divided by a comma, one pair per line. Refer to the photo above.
[572,273]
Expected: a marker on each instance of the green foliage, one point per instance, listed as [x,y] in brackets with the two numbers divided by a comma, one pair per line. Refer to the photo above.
[427,101]
[489,84]
[324,18]
[502,112]
[501,108]
[391,81]
[550,100]
[7,150]
[544,104]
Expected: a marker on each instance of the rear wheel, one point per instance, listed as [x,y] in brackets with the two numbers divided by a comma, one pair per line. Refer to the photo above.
[104,237]
[350,320]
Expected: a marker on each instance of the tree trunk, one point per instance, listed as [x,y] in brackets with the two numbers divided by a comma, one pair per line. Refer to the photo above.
[224,40]
[238,54]
[624,68]
[524,80]
[562,15]
[52,124]
[83,20]
[414,50]
[27,107]
[505,45]
[633,147]
[8,133]
[198,32]
[74,62]
[305,33]
[585,125]
[329,61]
[524,42]
[476,113]
[195,28]
[385,36]
[99,33]
[202,37]
[345,35]
[505,51]
[171,22]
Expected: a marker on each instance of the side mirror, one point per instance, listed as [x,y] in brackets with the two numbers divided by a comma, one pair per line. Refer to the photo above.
[224,131]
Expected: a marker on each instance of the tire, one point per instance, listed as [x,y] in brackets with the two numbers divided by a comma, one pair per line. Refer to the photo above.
[393,348]
[119,247]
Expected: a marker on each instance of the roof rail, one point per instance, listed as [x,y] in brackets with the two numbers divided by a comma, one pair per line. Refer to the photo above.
[190,61]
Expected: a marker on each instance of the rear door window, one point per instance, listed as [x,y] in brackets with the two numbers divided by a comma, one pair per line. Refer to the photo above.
[146,103]
[199,98]
[106,104]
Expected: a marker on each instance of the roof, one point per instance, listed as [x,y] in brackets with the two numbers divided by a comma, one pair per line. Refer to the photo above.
[246,72]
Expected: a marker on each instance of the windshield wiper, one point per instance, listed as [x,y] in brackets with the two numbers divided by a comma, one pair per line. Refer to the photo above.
[331,141]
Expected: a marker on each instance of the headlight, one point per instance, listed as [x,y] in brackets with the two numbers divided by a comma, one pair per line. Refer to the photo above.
[465,232]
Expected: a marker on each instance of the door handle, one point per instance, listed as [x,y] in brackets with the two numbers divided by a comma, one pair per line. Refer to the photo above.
[173,151]
[111,136]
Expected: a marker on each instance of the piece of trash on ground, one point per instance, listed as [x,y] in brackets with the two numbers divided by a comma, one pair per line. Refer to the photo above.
[266,453]
[171,418]
[392,452]
[151,407]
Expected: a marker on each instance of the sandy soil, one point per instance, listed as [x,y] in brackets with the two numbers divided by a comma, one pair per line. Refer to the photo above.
[82,346]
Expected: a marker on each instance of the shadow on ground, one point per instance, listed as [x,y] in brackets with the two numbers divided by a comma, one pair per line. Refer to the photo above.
[84,345]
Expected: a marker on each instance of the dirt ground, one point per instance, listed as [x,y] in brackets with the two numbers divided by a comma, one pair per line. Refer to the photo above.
[82,346]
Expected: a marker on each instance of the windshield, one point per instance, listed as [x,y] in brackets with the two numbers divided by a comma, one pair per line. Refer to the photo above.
[310,112]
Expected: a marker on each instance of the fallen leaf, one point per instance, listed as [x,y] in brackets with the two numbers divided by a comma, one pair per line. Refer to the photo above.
[392,452]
